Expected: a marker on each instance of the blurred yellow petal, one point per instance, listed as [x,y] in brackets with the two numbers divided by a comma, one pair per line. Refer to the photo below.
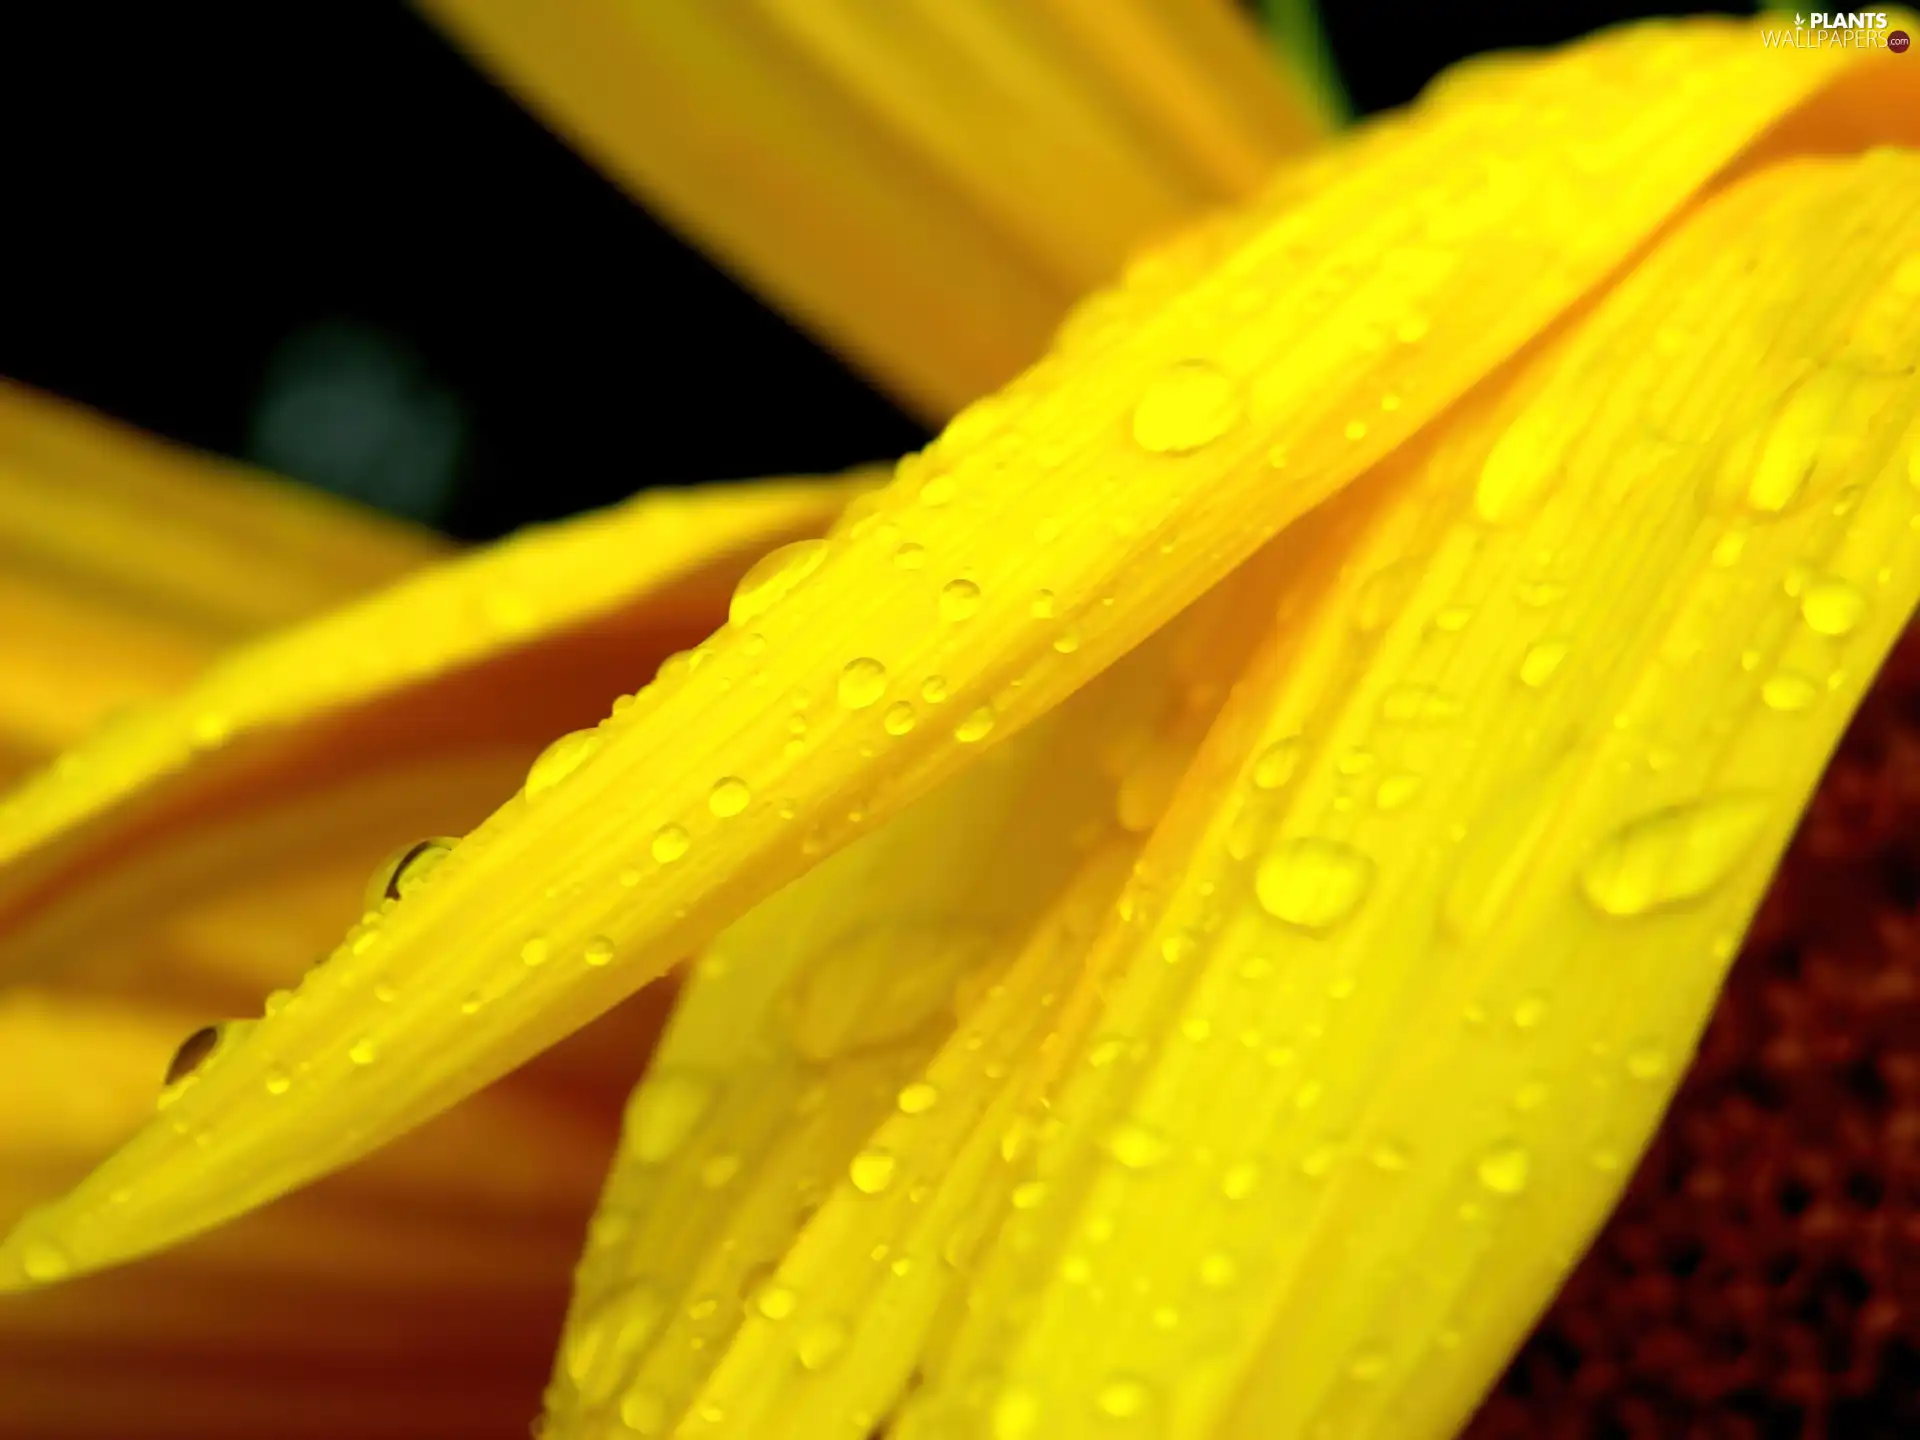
[492,649]
[1244,379]
[928,185]
[1454,882]
[127,563]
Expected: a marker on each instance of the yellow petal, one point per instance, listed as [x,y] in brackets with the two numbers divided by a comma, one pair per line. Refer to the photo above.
[1443,965]
[928,185]
[1047,533]
[126,564]
[801,1032]
[486,650]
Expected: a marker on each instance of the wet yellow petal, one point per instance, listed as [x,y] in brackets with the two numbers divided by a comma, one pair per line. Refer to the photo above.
[126,564]
[1443,965]
[1048,532]
[809,1023]
[931,185]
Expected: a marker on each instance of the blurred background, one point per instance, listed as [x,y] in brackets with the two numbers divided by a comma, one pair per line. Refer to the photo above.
[317,238]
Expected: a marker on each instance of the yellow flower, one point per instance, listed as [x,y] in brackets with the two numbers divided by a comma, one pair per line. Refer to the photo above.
[1197,884]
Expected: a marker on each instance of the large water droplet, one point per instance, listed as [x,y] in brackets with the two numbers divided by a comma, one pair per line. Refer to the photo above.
[959,599]
[406,868]
[559,760]
[1832,606]
[872,1171]
[192,1053]
[728,797]
[1312,884]
[663,1112]
[772,576]
[820,1344]
[1137,1147]
[1276,764]
[1542,662]
[1187,406]
[899,718]
[1788,693]
[1505,1168]
[862,682]
[918,1098]
[1524,461]
[977,725]
[670,842]
[1673,855]
[599,951]
[364,1051]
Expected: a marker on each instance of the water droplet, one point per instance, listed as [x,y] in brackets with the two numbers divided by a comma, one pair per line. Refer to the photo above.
[1453,619]
[862,682]
[772,577]
[959,599]
[192,1054]
[1832,606]
[820,1344]
[1396,790]
[1521,465]
[776,1301]
[1239,1181]
[899,718]
[1125,1397]
[918,1098]
[728,797]
[1217,1271]
[1504,1169]
[405,869]
[1066,642]
[670,842]
[1312,884]
[1784,457]
[1648,1062]
[1028,1196]
[976,726]
[872,1171]
[1044,605]
[1542,662]
[1138,1148]
[278,1082]
[1788,693]
[45,1262]
[364,1051]
[910,556]
[1016,1414]
[535,951]
[1672,855]
[599,951]
[644,1411]
[662,1114]
[1277,763]
[559,760]
[1187,406]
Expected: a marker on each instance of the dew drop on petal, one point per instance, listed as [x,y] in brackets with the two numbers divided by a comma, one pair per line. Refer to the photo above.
[959,599]
[1832,606]
[192,1054]
[728,797]
[1312,884]
[820,1344]
[1187,406]
[1673,855]
[405,869]
[363,1051]
[1542,662]
[918,1098]
[899,718]
[1124,1397]
[599,951]
[1788,693]
[1276,764]
[662,1114]
[559,760]
[1016,1414]
[1136,1147]
[776,1301]
[976,726]
[872,1171]
[862,682]
[670,842]
[1504,1169]
[772,576]
[534,951]
[45,1262]
[1045,606]
[910,556]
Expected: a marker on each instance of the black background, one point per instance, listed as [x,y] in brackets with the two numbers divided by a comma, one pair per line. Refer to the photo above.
[186,187]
